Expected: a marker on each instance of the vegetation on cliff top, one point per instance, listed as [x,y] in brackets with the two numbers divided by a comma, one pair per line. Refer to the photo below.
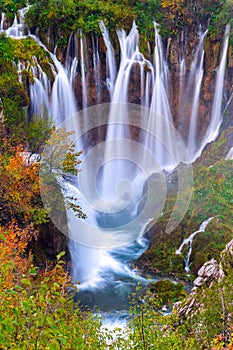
[62,17]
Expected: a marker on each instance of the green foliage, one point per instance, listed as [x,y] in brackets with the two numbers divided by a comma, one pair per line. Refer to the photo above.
[150,329]
[37,312]
[72,15]
[10,7]
[222,16]
[167,293]
[38,131]
[59,160]
[212,197]
[13,93]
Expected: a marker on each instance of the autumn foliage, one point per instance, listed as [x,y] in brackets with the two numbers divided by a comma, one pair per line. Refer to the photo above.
[19,190]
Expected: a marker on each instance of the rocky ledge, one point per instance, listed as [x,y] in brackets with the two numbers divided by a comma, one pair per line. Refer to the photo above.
[209,274]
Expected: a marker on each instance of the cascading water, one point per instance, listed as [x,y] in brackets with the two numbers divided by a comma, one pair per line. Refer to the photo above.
[2,22]
[39,91]
[160,106]
[110,59]
[130,56]
[189,241]
[197,71]
[216,116]
[71,63]
[106,272]
[97,67]
[18,28]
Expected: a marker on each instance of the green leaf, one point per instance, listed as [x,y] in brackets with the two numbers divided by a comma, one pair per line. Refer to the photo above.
[60,255]
[33,271]
[26,281]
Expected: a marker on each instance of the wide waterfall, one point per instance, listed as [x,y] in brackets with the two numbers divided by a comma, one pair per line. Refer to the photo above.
[122,185]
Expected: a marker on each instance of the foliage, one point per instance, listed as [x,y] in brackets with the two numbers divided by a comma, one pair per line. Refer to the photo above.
[63,17]
[222,16]
[35,307]
[38,130]
[150,329]
[10,7]
[220,343]
[13,93]
[19,191]
[58,160]
[212,197]
[167,292]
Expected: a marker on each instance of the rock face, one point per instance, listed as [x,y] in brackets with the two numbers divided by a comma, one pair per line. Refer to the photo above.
[211,272]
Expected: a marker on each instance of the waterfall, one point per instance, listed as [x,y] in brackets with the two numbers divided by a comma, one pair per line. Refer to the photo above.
[83,60]
[17,29]
[130,56]
[110,59]
[39,91]
[62,102]
[216,116]
[160,108]
[189,241]
[71,63]
[2,22]
[122,185]
[97,67]
[197,71]
[229,154]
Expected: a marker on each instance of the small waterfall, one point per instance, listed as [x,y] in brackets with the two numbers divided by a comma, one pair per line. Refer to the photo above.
[62,104]
[97,67]
[197,71]
[71,63]
[160,108]
[18,27]
[229,155]
[83,60]
[40,91]
[2,22]
[216,116]
[110,60]
[189,241]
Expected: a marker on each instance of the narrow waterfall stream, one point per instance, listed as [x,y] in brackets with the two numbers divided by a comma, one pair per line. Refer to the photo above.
[189,241]
[131,175]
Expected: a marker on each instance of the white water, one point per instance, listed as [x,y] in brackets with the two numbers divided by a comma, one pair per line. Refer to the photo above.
[229,155]
[18,28]
[130,56]
[189,241]
[110,60]
[39,91]
[2,22]
[197,71]
[72,61]
[216,116]
[160,105]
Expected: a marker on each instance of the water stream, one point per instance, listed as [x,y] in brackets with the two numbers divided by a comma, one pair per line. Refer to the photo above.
[189,241]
